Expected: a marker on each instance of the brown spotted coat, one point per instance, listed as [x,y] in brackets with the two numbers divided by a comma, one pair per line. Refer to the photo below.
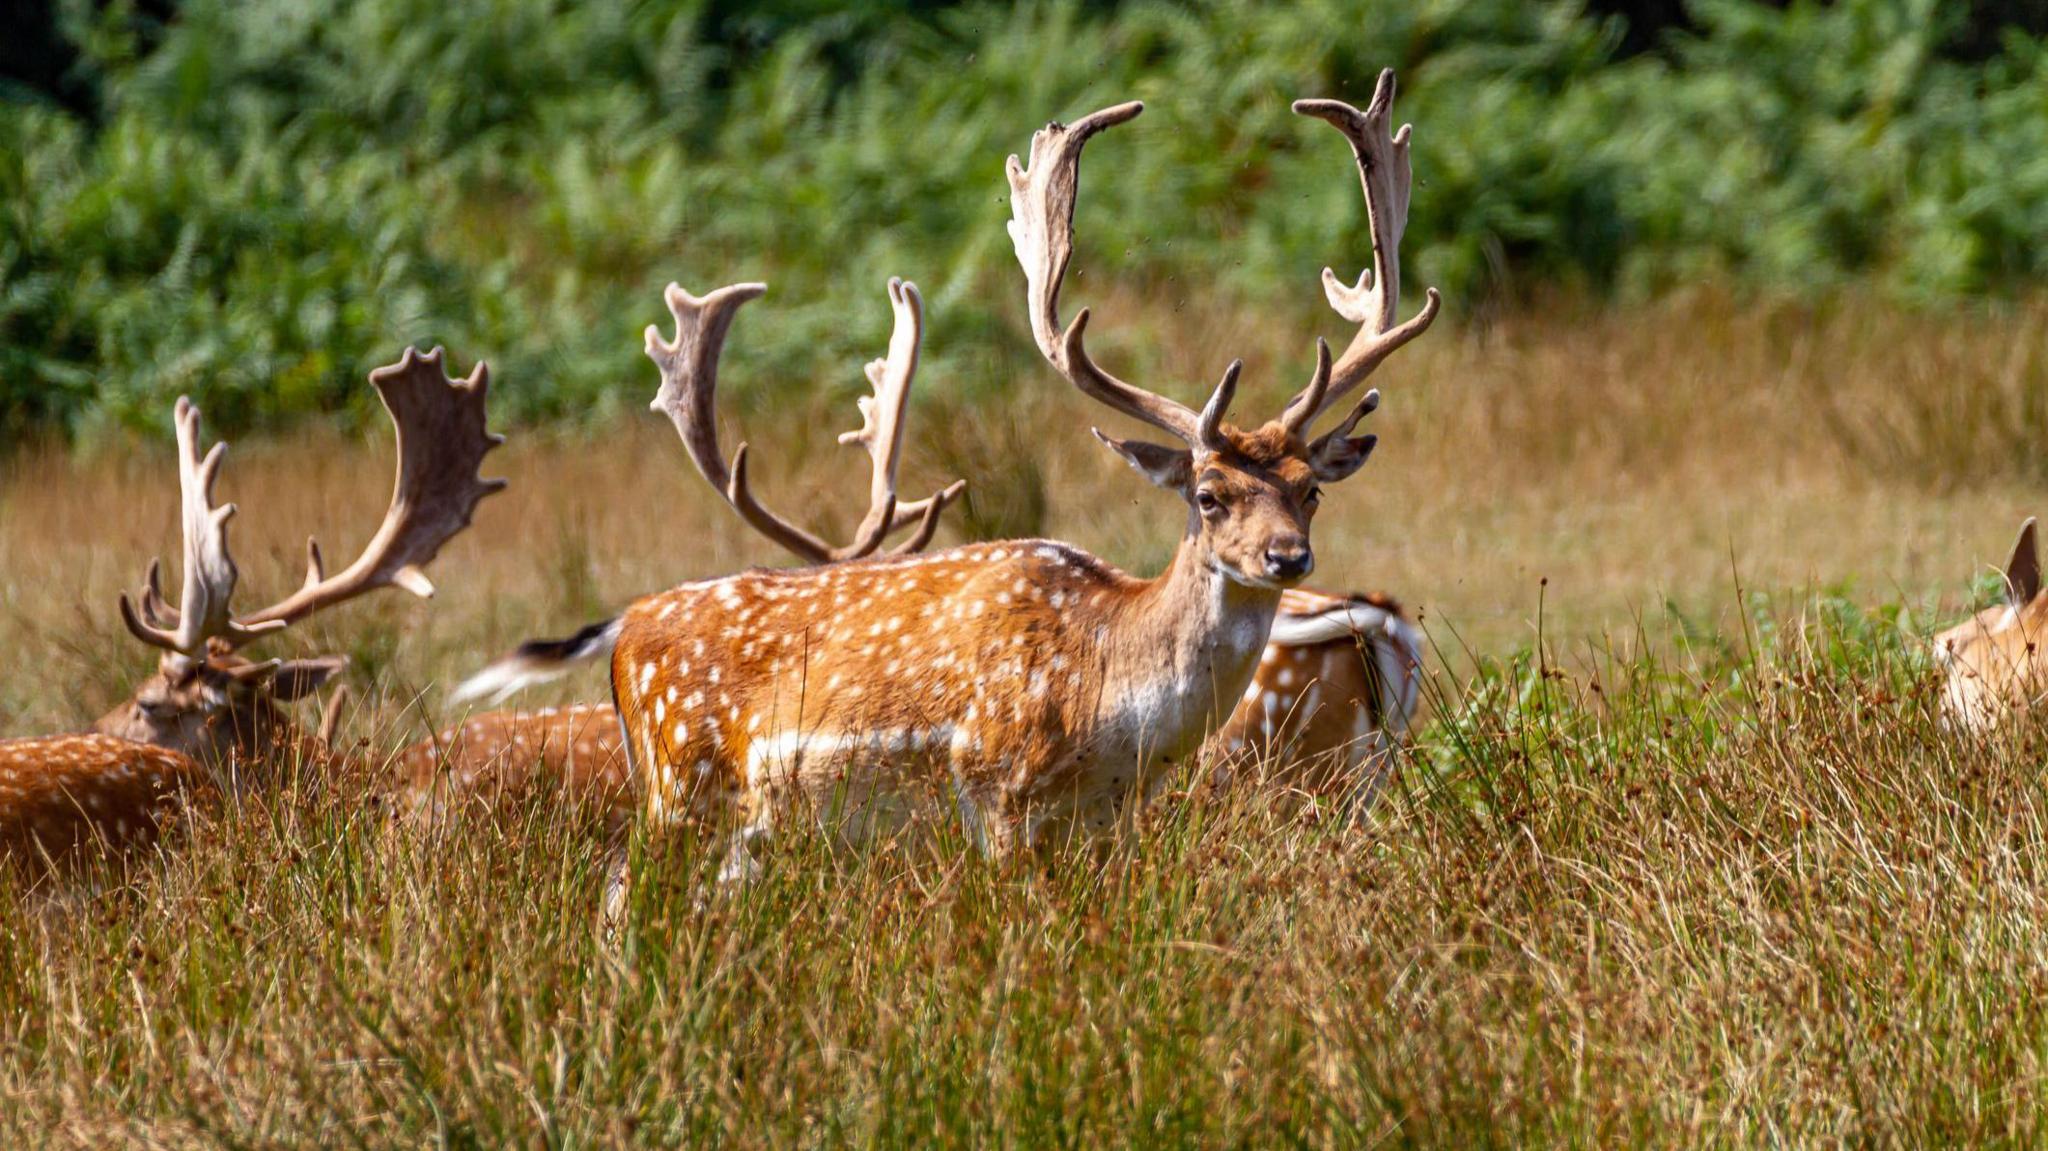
[60,795]
[1027,684]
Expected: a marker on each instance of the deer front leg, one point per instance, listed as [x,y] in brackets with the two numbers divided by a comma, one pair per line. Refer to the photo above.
[740,868]
[758,808]
[618,889]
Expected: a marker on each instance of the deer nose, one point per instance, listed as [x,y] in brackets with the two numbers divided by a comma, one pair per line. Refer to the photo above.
[1289,559]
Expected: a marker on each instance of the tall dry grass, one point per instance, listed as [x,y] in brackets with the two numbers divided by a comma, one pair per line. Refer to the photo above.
[1634,460]
[1701,866]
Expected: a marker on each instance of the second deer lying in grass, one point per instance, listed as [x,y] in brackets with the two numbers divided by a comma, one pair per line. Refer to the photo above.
[209,718]
[1331,700]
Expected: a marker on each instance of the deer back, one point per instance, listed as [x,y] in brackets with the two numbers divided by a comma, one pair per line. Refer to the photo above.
[60,795]
[507,755]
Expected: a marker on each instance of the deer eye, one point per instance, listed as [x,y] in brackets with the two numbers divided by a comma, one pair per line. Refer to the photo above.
[1207,501]
[1314,497]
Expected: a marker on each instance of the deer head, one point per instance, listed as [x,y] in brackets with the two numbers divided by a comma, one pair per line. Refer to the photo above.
[208,701]
[1250,492]
[1996,660]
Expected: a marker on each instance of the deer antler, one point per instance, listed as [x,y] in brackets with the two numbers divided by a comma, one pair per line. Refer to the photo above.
[442,439]
[1373,301]
[688,395]
[1042,230]
[203,613]
[881,430]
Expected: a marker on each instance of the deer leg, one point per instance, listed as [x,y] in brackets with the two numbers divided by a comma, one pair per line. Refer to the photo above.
[618,887]
[740,867]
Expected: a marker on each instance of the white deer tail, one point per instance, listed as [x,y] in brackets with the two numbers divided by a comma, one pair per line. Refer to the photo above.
[538,661]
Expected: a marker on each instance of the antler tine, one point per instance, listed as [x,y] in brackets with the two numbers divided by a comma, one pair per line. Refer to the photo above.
[881,432]
[1042,231]
[155,610]
[1367,405]
[1373,302]
[441,428]
[203,613]
[925,513]
[688,395]
[1209,425]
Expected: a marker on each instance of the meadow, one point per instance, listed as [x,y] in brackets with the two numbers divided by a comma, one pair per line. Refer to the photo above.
[1681,853]
[1740,392]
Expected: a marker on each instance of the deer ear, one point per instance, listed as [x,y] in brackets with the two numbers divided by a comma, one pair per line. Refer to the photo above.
[296,678]
[1170,468]
[1335,457]
[2023,570]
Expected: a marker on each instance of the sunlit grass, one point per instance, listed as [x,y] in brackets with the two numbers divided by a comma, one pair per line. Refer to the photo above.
[1682,853]
[1661,902]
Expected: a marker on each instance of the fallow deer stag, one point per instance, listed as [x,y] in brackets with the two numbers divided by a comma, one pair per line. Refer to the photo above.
[1329,702]
[577,749]
[1037,687]
[1995,661]
[210,718]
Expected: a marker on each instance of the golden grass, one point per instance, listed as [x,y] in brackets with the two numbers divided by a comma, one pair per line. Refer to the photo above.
[1629,459]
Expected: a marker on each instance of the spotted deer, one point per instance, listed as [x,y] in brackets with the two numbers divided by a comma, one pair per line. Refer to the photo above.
[1030,685]
[1330,700]
[211,719]
[576,749]
[1994,662]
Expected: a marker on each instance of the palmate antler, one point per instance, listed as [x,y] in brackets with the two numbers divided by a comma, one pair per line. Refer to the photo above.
[1373,302]
[203,613]
[440,427]
[1042,230]
[688,395]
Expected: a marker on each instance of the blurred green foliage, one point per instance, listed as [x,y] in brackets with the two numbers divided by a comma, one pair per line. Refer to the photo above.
[255,201]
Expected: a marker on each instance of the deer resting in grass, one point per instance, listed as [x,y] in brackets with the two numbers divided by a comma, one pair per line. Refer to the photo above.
[1996,662]
[210,717]
[1027,684]
[1331,700]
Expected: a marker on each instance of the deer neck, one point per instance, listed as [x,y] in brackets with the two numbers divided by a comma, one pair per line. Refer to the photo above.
[1191,640]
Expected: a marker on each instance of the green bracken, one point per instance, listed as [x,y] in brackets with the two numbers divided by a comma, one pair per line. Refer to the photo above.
[274,195]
